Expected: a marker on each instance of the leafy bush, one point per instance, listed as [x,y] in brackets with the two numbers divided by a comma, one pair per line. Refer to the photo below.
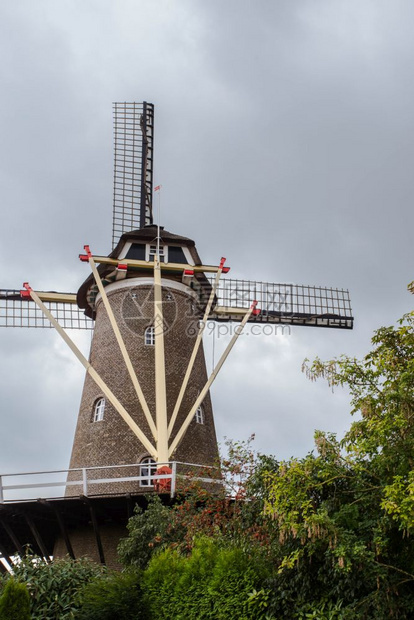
[147,531]
[213,582]
[53,587]
[115,596]
[14,601]
[200,511]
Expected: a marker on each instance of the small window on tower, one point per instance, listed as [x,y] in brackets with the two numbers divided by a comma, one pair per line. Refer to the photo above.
[152,251]
[199,415]
[150,336]
[98,410]
[147,468]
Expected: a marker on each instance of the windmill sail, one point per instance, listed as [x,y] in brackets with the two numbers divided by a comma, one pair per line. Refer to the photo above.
[286,304]
[289,304]
[133,167]
[18,312]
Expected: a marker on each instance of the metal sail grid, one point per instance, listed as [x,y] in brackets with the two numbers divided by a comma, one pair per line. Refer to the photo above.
[133,167]
[291,304]
[18,312]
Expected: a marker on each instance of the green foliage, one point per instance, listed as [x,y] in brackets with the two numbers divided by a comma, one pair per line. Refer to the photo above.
[53,587]
[148,530]
[14,601]
[203,511]
[327,536]
[344,514]
[325,610]
[115,596]
[398,501]
[213,581]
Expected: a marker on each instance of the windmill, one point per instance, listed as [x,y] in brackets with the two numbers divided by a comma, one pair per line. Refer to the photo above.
[146,408]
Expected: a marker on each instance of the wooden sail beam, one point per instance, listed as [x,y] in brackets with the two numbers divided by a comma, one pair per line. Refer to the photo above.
[62,298]
[92,372]
[124,352]
[213,375]
[142,264]
[160,380]
[195,349]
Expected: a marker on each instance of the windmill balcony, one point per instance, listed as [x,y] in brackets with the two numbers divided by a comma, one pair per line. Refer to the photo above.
[161,478]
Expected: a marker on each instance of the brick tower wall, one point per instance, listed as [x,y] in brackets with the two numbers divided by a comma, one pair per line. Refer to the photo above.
[111,441]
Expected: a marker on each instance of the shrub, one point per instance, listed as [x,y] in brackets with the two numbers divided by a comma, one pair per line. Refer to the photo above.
[114,596]
[15,601]
[147,531]
[53,587]
[214,581]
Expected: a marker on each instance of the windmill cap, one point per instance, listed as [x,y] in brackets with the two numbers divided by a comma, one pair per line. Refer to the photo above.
[147,234]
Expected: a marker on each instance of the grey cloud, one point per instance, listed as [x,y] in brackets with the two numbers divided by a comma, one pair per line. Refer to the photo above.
[283,141]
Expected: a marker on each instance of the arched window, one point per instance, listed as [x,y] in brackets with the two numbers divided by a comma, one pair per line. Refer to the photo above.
[199,415]
[148,468]
[98,410]
[149,336]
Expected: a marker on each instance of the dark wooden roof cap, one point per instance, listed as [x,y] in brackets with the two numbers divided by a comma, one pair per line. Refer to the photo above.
[147,234]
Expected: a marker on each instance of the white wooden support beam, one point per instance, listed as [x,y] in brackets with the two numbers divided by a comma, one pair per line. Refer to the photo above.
[228,310]
[213,375]
[195,349]
[160,381]
[95,376]
[122,346]
[60,298]
[142,264]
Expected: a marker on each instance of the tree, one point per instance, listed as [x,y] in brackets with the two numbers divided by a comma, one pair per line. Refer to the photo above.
[148,530]
[332,531]
[231,510]
[207,555]
[345,515]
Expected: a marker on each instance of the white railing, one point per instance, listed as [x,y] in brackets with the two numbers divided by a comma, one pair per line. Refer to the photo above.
[21,486]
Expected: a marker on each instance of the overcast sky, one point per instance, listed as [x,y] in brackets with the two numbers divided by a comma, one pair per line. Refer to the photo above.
[283,141]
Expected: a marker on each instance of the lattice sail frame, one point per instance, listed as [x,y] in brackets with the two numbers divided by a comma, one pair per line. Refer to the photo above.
[18,312]
[288,304]
[133,167]
[291,304]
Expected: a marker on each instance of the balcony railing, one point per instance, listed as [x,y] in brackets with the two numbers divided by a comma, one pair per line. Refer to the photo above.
[99,481]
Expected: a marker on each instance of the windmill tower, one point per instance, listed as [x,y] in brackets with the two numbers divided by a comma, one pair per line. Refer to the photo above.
[145,406]
[148,388]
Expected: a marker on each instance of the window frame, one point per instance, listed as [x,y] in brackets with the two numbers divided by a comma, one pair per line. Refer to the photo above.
[151,251]
[147,467]
[199,415]
[149,336]
[99,409]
